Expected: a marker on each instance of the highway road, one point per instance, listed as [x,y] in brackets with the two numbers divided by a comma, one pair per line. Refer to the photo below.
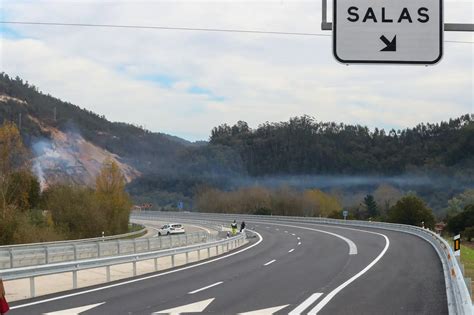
[287,268]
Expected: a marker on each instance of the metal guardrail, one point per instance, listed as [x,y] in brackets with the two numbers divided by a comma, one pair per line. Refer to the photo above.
[34,255]
[74,266]
[82,240]
[459,300]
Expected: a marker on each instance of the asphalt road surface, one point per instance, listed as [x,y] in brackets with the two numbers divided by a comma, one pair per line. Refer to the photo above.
[288,268]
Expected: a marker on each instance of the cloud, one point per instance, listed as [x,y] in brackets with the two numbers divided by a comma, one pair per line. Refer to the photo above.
[185,83]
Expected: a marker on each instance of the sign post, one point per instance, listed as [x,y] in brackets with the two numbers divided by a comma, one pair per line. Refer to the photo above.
[388,31]
[457,245]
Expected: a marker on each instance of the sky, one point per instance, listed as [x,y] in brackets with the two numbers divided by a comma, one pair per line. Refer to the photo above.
[185,83]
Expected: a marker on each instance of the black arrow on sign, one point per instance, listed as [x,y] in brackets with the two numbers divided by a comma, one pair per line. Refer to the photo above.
[390,45]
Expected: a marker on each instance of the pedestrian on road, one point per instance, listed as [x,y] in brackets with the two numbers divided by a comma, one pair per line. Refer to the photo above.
[242,226]
[3,302]
[234,227]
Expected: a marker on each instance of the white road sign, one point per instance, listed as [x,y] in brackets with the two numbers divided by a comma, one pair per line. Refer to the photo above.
[388,31]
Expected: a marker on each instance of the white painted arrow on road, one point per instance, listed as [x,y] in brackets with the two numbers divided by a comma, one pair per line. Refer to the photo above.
[189,308]
[75,311]
[266,311]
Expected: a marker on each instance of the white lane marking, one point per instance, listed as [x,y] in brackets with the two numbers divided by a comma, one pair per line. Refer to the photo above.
[207,287]
[291,250]
[298,238]
[266,311]
[306,303]
[141,279]
[350,243]
[293,234]
[270,262]
[74,311]
[197,307]
[299,243]
[333,293]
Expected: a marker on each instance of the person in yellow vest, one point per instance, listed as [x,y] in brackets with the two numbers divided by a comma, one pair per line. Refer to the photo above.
[234,227]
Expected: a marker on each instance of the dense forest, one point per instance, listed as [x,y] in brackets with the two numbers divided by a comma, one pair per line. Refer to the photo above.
[306,146]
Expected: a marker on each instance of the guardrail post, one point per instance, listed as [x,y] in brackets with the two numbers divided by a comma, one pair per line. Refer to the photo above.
[208,252]
[156,264]
[172,260]
[75,251]
[74,279]
[187,257]
[46,255]
[10,252]
[118,246]
[32,287]
[98,249]
[199,254]
[217,250]
[107,273]
[134,268]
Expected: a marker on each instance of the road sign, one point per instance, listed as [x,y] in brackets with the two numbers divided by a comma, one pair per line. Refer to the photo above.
[388,31]
[457,245]
[345,213]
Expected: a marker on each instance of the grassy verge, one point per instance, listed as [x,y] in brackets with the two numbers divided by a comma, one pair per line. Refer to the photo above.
[467,259]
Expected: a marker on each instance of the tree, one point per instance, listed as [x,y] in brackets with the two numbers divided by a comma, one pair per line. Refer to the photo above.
[371,206]
[13,158]
[412,210]
[114,201]
[462,220]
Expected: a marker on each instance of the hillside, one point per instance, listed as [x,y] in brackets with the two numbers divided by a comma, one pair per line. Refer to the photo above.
[69,143]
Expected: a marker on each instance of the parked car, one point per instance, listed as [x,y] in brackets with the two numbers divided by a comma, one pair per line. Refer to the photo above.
[172,228]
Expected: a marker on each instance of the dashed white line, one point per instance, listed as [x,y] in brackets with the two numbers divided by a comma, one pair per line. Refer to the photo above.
[270,262]
[299,243]
[300,308]
[298,238]
[293,234]
[207,287]
[291,250]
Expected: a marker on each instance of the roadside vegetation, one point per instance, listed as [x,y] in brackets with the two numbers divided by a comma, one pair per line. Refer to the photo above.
[61,211]
[408,209]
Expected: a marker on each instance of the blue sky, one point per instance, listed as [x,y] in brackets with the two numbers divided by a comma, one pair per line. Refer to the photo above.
[185,83]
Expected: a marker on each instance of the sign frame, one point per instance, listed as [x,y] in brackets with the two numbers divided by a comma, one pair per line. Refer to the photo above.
[392,62]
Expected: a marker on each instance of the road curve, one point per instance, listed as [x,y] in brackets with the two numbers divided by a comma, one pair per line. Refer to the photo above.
[296,268]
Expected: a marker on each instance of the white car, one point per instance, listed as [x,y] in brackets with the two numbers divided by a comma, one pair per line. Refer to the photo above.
[172,228]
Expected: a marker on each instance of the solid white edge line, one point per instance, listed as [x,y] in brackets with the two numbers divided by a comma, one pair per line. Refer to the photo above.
[206,287]
[306,303]
[291,250]
[140,279]
[350,243]
[270,262]
[333,293]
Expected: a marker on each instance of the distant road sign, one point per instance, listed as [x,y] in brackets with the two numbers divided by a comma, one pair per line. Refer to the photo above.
[345,213]
[388,31]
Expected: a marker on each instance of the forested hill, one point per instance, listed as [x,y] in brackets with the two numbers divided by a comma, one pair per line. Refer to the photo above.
[123,139]
[306,146]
